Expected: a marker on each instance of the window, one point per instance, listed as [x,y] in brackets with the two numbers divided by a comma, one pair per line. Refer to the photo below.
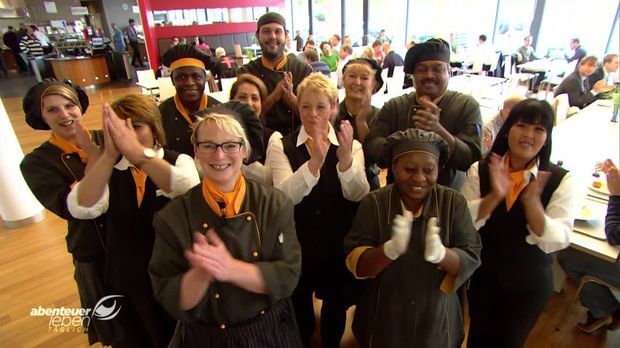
[325,19]
[353,21]
[513,24]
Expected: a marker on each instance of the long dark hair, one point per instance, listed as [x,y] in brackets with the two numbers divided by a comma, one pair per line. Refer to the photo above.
[530,111]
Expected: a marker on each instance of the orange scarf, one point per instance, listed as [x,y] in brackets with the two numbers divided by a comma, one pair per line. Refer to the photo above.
[277,66]
[232,200]
[139,177]
[185,112]
[517,179]
[68,147]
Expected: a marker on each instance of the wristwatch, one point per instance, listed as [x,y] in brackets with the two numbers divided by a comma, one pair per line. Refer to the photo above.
[149,153]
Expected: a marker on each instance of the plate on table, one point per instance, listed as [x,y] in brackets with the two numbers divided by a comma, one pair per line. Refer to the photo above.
[589,211]
[603,189]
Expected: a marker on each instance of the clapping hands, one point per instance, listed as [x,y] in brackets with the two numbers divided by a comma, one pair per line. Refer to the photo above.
[210,256]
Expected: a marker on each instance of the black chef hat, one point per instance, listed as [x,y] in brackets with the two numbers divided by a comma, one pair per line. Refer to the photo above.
[249,121]
[186,55]
[31,103]
[270,17]
[415,140]
[374,65]
[432,49]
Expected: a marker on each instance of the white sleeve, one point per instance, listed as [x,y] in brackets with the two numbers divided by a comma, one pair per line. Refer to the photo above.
[87,213]
[559,218]
[353,181]
[471,192]
[183,176]
[258,172]
[296,185]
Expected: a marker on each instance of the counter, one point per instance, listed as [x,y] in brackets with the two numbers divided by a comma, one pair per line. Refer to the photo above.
[83,71]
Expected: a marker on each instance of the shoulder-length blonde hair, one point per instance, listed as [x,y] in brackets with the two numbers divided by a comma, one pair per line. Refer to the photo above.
[141,108]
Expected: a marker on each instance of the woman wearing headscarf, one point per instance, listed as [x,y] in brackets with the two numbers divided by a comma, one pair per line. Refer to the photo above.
[189,77]
[129,190]
[52,169]
[523,208]
[414,243]
[361,78]
[226,258]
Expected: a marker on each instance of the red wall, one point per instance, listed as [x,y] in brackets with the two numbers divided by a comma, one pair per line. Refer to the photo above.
[153,33]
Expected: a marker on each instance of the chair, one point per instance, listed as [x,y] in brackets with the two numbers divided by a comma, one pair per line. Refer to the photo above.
[227,84]
[145,76]
[584,280]
[558,70]
[560,107]
[166,88]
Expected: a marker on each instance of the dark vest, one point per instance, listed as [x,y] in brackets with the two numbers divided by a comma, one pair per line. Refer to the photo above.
[505,254]
[324,212]
[322,220]
[130,234]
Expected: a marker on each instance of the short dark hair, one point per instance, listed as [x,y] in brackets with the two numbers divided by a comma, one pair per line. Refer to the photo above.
[347,48]
[311,55]
[575,40]
[482,37]
[531,111]
[376,43]
[589,60]
[337,37]
[131,20]
[324,43]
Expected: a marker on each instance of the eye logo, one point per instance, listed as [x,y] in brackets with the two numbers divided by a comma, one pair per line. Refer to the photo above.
[102,312]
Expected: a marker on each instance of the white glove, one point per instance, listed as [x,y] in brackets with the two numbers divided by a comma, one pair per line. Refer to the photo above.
[434,251]
[401,232]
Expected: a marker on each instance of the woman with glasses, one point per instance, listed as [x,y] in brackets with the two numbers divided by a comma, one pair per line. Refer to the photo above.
[226,257]
[132,179]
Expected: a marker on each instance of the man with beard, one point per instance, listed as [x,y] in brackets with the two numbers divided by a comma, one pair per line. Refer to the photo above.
[454,116]
[187,65]
[280,75]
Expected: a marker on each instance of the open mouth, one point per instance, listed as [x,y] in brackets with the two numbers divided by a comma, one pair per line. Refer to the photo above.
[416,188]
[67,123]
[220,167]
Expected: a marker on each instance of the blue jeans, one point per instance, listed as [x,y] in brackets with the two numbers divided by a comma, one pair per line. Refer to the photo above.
[599,300]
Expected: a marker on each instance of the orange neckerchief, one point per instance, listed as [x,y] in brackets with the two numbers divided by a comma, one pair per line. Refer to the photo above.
[310,144]
[68,147]
[139,177]
[277,66]
[232,200]
[184,112]
[517,179]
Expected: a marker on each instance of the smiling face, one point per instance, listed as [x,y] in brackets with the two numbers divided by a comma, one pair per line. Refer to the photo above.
[189,82]
[431,78]
[219,167]
[61,115]
[415,174]
[358,80]
[525,140]
[315,110]
[248,93]
[271,37]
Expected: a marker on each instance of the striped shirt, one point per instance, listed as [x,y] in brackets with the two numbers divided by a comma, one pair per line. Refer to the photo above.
[31,46]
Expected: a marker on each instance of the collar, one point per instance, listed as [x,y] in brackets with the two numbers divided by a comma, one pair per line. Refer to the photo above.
[530,172]
[124,163]
[275,66]
[303,136]
[428,209]
[435,101]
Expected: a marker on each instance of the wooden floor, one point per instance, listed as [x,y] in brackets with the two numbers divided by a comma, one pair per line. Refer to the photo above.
[36,270]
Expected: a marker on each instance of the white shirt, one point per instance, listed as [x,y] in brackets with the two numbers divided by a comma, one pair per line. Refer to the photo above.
[298,184]
[183,176]
[559,213]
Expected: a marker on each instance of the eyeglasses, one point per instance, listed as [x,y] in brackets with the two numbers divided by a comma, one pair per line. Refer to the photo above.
[227,147]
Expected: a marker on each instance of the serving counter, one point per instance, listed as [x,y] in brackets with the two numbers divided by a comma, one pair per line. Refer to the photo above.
[83,71]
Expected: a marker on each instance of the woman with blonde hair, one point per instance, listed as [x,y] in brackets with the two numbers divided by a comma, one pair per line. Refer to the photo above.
[133,178]
[226,258]
[52,168]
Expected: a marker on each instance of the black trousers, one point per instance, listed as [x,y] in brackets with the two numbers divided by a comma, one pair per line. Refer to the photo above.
[136,53]
[502,317]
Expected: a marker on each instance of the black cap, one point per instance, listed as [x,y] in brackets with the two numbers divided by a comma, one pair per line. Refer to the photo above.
[270,17]
[177,52]
[374,65]
[413,139]
[31,103]
[249,121]
[432,49]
